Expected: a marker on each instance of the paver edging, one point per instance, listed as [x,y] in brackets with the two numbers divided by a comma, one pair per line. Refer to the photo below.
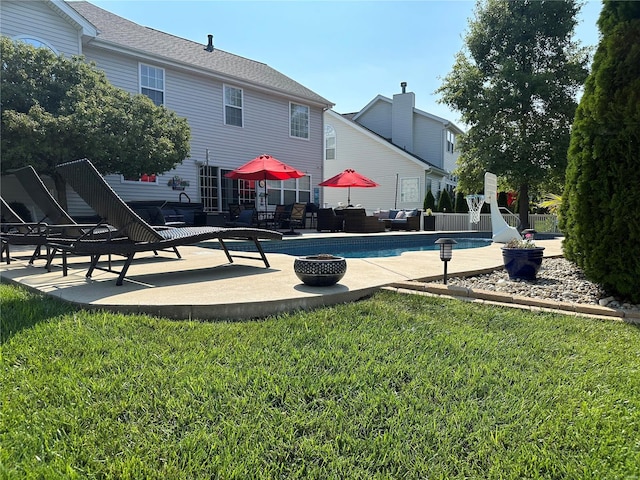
[505,298]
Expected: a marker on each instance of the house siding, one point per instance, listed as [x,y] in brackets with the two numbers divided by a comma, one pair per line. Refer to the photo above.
[378,119]
[372,158]
[199,99]
[429,140]
[40,21]
[191,92]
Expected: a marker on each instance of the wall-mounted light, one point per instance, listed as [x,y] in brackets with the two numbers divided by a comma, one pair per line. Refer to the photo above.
[446,252]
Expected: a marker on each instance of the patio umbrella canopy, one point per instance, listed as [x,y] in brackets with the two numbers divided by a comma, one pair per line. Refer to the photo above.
[349,178]
[265,167]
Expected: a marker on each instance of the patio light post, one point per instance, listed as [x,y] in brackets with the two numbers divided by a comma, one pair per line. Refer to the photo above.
[446,252]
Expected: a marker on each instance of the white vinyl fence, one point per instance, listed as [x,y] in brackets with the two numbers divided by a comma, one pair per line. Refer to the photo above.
[451,222]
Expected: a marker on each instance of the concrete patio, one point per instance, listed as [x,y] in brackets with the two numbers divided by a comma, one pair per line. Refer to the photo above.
[203,285]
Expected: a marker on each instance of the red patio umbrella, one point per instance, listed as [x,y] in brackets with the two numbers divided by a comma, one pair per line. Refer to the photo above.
[349,178]
[265,167]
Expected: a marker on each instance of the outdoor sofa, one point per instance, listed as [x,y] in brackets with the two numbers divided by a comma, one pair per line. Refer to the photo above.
[400,219]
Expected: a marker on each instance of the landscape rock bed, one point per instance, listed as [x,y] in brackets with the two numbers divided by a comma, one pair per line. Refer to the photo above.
[558,280]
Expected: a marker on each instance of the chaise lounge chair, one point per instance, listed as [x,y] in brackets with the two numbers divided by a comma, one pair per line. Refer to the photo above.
[15,231]
[139,236]
[53,214]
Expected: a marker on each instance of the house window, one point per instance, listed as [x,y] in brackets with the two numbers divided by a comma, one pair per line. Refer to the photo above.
[298,120]
[329,143]
[451,141]
[35,42]
[409,190]
[233,106]
[286,192]
[152,83]
[144,178]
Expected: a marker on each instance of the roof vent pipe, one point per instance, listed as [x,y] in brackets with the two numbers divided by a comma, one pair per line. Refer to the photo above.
[209,47]
[404,87]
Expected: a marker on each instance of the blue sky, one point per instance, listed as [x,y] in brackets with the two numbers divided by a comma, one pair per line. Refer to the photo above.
[346,51]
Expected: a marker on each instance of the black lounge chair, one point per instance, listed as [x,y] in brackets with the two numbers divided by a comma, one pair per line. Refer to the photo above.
[66,228]
[139,236]
[15,231]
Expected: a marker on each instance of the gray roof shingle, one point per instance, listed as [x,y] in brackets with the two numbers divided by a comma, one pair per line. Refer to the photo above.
[121,32]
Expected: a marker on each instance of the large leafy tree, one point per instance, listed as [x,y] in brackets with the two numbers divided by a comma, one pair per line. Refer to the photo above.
[600,211]
[56,109]
[515,85]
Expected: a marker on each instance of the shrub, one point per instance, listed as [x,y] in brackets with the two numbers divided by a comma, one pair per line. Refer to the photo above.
[461,203]
[601,201]
[444,202]
[429,201]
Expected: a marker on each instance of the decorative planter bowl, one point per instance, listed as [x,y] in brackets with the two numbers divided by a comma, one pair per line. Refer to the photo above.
[320,270]
[522,263]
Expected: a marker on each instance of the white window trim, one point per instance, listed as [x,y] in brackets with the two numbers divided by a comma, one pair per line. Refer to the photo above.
[164,81]
[308,121]
[335,143]
[224,106]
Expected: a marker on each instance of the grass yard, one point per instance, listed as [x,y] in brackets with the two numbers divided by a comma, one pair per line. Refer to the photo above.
[397,386]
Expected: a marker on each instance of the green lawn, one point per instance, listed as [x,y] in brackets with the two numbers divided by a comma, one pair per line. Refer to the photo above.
[397,386]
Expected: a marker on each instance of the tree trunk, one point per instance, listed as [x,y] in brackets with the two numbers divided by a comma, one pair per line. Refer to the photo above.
[61,189]
[523,206]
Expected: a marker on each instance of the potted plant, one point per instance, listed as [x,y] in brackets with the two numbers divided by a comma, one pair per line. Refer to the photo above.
[429,220]
[522,258]
[177,183]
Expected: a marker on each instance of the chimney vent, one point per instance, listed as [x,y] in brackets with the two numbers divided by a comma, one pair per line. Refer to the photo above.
[209,47]
[404,87]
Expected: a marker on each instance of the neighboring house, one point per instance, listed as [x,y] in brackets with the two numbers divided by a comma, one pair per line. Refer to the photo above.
[404,149]
[237,108]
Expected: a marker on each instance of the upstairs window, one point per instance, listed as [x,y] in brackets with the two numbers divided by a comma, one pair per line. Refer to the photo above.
[298,120]
[35,42]
[451,141]
[152,83]
[232,106]
[329,143]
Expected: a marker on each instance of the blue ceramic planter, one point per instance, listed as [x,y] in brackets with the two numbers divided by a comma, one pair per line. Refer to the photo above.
[522,263]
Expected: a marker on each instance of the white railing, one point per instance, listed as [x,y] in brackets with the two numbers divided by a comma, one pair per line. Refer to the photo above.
[451,222]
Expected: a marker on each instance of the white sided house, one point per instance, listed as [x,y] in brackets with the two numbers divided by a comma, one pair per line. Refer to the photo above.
[237,108]
[404,149]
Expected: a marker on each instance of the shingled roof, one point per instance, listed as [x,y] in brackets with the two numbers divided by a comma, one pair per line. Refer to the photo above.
[115,31]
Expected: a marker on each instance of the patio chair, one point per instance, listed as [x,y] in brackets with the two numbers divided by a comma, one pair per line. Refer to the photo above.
[280,215]
[246,218]
[296,218]
[139,236]
[328,220]
[15,231]
[66,228]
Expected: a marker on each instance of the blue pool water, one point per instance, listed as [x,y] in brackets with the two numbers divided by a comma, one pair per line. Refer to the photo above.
[363,246]
[367,251]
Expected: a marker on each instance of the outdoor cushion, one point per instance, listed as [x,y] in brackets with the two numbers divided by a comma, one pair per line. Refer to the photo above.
[392,214]
[412,213]
[401,215]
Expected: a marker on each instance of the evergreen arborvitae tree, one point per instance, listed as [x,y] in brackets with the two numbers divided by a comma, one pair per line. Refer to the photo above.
[461,205]
[444,202]
[429,201]
[600,213]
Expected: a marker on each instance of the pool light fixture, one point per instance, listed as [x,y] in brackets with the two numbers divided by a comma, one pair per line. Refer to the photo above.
[446,252]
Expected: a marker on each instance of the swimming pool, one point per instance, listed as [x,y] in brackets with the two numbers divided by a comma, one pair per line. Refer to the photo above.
[362,246]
